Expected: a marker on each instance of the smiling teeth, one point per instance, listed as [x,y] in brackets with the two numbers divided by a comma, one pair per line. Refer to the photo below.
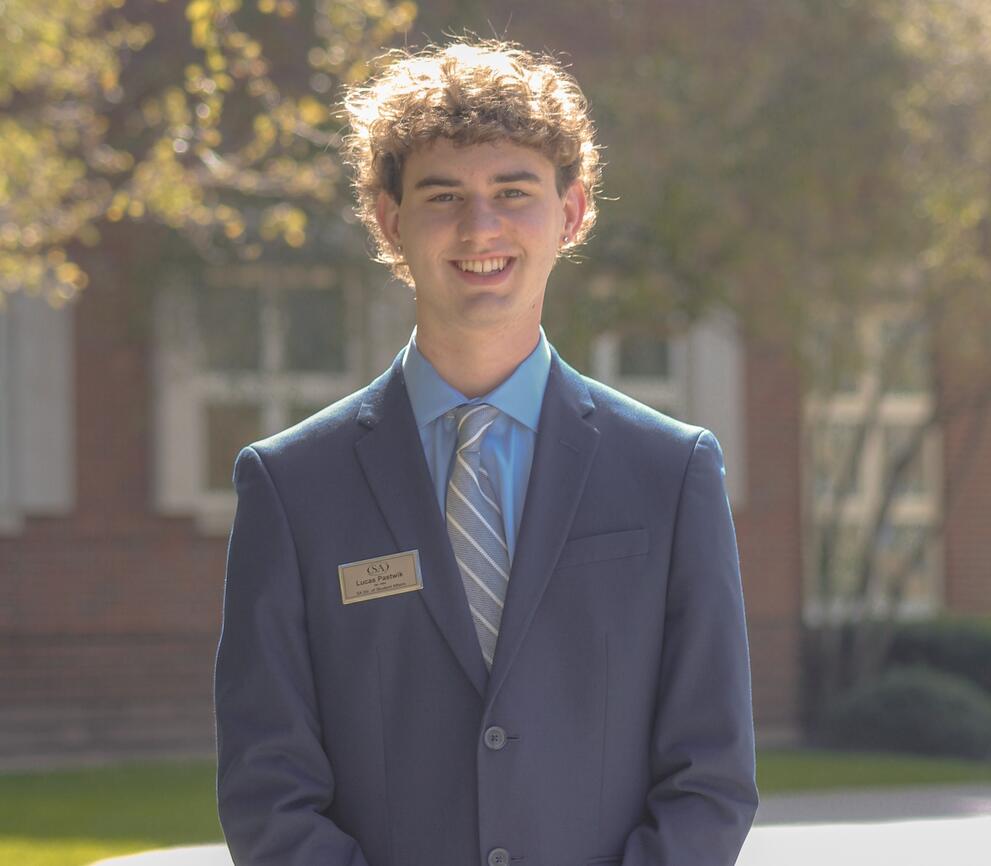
[483,267]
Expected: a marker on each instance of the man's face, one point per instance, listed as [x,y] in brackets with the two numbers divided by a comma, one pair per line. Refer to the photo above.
[480,227]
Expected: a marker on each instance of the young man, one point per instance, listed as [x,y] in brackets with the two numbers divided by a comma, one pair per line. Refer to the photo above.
[484,611]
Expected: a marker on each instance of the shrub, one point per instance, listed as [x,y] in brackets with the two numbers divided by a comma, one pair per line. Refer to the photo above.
[956,646]
[913,709]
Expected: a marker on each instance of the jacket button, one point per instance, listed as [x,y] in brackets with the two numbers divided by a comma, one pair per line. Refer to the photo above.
[498,857]
[495,739]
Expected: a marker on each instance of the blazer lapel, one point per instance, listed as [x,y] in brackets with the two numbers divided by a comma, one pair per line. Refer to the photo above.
[566,443]
[391,457]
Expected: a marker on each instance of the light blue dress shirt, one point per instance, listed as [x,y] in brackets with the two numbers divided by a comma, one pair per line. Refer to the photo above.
[507,449]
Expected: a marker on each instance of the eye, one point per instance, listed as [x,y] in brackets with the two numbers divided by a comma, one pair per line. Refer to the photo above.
[513,193]
[443,197]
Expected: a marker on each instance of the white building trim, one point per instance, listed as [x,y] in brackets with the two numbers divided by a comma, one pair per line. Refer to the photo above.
[185,388]
[704,386]
[911,511]
[37,411]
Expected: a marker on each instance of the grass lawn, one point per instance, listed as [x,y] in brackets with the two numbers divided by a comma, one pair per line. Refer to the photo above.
[71,818]
[804,770]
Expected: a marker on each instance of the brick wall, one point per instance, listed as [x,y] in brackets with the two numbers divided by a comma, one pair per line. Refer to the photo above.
[109,618]
[967,484]
[769,533]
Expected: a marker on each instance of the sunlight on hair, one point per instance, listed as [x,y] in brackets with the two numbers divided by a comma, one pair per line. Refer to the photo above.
[470,92]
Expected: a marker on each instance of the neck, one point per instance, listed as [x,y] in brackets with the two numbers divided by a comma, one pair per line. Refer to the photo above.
[475,363]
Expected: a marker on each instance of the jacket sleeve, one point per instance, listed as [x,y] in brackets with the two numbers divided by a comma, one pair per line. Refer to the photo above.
[274,780]
[703,796]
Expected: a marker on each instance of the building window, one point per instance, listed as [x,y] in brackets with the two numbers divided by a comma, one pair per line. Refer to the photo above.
[695,375]
[37,411]
[836,467]
[229,427]
[646,367]
[250,351]
[874,482]
[9,512]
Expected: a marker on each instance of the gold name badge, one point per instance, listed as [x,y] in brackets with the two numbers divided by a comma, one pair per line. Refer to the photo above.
[380,576]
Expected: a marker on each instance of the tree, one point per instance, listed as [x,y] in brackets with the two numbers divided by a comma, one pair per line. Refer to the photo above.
[876,501]
[822,169]
[939,335]
[211,117]
[807,163]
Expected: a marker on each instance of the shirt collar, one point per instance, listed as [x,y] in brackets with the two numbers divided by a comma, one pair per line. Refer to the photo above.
[520,396]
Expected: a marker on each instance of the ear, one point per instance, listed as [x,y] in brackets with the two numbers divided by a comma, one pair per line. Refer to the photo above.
[575,205]
[387,216]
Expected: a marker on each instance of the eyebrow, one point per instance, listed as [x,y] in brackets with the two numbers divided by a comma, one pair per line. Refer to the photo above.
[447,182]
[516,177]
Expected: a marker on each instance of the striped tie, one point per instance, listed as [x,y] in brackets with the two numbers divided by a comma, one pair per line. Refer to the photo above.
[474,525]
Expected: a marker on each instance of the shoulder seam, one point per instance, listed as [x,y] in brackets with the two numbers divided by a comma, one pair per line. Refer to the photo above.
[677,513]
[282,510]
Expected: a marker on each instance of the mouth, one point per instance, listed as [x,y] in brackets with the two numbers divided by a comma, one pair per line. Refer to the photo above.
[485,270]
[483,266]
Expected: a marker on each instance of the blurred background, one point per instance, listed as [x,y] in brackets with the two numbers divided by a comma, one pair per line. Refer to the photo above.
[794,250]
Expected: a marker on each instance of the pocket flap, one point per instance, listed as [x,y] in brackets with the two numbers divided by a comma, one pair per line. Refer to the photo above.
[608,545]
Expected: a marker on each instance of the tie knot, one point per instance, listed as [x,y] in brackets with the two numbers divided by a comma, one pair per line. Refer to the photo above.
[473,420]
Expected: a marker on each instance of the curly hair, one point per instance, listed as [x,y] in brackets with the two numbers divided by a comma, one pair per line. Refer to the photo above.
[470,92]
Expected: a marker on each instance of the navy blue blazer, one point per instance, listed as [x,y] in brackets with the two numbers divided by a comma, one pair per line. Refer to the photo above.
[615,726]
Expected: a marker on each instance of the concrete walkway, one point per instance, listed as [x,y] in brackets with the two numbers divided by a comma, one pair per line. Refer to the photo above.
[929,826]
[873,805]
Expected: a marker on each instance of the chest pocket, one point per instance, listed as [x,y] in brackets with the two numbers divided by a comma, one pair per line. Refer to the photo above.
[599,548]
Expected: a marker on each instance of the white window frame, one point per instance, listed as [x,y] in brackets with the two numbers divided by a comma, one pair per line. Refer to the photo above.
[910,510]
[705,386]
[37,411]
[10,516]
[664,393]
[184,389]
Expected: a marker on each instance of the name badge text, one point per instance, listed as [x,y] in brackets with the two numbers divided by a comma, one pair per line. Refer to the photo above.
[380,576]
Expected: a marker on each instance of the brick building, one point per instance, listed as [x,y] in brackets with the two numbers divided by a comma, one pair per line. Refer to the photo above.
[120,417]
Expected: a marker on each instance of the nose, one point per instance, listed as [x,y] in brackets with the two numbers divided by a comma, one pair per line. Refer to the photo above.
[478,221]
